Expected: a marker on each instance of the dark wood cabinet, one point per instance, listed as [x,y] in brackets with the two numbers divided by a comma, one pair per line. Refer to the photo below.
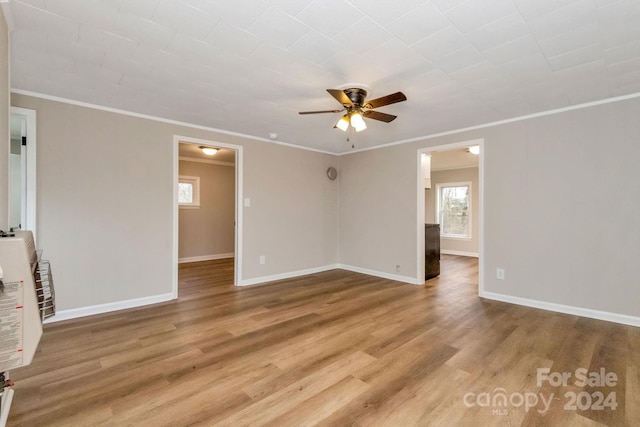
[432,250]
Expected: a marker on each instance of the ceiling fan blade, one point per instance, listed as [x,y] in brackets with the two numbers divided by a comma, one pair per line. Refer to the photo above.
[376,115]
[386,100]
[340,96]
[320,112]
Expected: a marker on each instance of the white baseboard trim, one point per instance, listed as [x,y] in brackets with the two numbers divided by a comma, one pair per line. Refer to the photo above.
[566,309]
[383,275]
[109,307]
[205,258]
[288,275]
[459,253]
[5,405]
[140,302]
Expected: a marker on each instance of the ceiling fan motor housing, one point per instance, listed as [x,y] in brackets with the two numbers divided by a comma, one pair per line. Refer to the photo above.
[356,95]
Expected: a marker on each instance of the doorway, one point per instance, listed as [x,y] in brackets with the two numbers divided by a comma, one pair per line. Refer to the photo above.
[188,151]
[452,172]
[22,170]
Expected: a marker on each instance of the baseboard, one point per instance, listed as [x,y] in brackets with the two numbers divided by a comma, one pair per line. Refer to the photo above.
[566,309]
[292,274]
[140,302]
[459,253]
[288,275]
[383,275]
[205,258]
[74,313]
[5,405]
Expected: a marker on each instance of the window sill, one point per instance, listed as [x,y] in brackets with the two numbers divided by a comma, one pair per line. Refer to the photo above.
[443,236]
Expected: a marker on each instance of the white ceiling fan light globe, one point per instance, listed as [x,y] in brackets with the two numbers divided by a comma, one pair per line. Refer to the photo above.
[343,123]
[358,122]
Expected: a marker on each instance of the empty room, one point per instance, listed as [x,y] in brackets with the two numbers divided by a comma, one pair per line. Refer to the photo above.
[333,213]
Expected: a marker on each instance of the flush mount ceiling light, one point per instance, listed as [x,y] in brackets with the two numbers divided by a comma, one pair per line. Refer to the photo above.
[209,151]
[474,149]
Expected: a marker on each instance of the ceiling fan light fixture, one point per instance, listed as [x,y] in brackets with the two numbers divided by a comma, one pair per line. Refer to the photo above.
[343,123]
[209,151]
[354,102]
[358,122]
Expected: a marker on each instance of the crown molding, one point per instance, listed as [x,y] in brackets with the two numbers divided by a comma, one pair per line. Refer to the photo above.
[286,144]
[502,122]
[161,119]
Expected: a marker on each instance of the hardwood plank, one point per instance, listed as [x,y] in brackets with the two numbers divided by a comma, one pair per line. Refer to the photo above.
[320,406]
[284,400]
[332,348]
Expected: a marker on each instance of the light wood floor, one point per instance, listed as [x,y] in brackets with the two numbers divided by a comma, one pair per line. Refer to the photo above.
[332,349]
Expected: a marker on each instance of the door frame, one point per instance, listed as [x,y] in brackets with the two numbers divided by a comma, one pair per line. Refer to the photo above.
[177,140]
[29,187]
[479,209]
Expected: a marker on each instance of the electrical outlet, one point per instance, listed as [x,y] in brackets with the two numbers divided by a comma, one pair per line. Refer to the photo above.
[263,260]
[398,268]
[500,273]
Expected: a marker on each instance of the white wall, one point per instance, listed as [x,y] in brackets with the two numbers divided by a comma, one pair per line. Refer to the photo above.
[469,247]
[208,231]
[378,211]
[105,204]
[15,190]
[562,194]
[5,139]
[293,217]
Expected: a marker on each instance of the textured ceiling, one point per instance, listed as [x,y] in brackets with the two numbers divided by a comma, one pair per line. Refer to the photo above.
[249,66]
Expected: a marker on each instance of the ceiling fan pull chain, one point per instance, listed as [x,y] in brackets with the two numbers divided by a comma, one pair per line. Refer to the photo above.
[352,145]
[350,130]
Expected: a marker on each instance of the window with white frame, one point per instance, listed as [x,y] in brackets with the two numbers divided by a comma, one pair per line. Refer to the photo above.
[189,191]
[453,209]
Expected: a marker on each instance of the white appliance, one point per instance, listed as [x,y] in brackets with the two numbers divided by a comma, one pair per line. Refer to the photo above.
[26,299]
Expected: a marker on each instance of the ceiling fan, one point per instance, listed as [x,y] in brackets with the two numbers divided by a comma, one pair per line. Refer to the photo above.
[356,106]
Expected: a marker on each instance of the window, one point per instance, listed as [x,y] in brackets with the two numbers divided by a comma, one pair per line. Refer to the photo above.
[189,191]
[454,210]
